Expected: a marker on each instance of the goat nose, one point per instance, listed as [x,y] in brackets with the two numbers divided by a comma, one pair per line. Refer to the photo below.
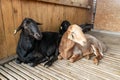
[37,35]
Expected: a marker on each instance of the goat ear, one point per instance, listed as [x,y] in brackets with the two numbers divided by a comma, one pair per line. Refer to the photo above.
[18,29]
[38,23]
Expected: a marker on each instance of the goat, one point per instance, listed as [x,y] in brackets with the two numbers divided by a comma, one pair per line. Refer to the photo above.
[84,45]
[34,46]
[65,24]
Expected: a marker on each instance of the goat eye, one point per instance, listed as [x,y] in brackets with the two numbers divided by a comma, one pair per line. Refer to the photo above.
[72,36]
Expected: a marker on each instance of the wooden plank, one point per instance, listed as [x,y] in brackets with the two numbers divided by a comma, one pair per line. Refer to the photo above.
[17,15]
[95,72]
[33,9]
[32,71]
[3,47]
[2,77]
[12,73]
[37,72]
[85,74]
[7,75]
[67,2]
[18,72]
[25,8]
[49,72]
[109,22]
[24,71]
[55,73]
[63,71]
[6,7]
[107,69]
[2,61]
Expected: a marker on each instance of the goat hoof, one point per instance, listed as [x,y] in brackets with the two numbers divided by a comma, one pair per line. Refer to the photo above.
[88,57]
[60,57]
[96,61]
[71,60]
[31,64]
[47,64]
[18,61]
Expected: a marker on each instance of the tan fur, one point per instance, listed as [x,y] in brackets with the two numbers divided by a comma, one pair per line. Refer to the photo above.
[75,45]
[66,47]
[91,46]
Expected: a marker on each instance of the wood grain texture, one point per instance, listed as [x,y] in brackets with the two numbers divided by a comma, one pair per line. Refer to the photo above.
[12,12]
[75,3]
[108,15]
[7,15]
[3,49]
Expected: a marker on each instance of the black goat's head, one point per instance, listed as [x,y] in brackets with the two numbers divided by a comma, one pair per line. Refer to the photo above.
[30,27]
[64,26]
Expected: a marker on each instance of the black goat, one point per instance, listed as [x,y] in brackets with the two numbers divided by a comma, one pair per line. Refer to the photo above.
[65,24]
[35,47]
[86,27]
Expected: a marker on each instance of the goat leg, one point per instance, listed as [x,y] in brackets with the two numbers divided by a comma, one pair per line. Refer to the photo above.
[18,61]
[75,57]
[60,57]
[51,61]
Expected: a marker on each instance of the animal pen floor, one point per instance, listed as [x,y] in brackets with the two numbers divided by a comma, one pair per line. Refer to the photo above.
[108,69]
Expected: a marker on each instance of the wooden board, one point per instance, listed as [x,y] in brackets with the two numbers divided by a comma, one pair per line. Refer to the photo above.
[3,47]
[7,14]
[75,3]
[107,15]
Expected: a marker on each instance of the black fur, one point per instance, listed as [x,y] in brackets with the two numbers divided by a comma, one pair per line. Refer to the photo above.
[65,24]
[35,47]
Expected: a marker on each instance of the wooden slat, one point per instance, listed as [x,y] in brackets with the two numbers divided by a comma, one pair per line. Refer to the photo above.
[32,6]
[2,61]
[67,2]
[25,8]
[18,72]
[47,71]
[32,71]
[7,75]
[2,77]
[107,69]
[54,72]
[3,47]
[67,72]
[24,71]
[97,73]
[76,70]
[17,15]
[39,73]
[6,7]
[12,73]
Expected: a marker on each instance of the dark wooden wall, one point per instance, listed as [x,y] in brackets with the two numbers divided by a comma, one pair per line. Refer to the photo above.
[12,12]
[108,15]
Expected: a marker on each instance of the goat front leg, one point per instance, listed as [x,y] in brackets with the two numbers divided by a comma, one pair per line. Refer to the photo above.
[97,55]
[75,57]
[18,61]
[60,57]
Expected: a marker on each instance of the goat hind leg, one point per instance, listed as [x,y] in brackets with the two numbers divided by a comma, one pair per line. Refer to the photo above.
[75,57]
[18,61]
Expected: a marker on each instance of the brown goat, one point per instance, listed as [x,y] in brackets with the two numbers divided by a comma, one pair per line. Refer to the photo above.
[82,45]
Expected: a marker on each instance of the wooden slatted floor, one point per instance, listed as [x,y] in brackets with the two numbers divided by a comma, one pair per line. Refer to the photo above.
[108,69]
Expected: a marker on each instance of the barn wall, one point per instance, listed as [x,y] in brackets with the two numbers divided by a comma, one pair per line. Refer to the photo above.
[12,12]
[108,15]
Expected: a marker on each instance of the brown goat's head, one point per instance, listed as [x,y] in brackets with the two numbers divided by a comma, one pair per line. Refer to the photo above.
[30,27]
[76,35]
